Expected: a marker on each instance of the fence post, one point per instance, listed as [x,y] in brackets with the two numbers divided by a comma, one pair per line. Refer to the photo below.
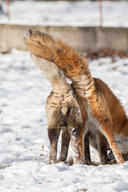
[101,12]
[8,8]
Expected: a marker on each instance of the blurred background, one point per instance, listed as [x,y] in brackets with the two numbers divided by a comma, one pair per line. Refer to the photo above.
[94,24]
[99,22]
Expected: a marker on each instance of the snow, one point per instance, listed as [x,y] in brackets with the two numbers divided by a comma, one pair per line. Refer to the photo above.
[23,161]
[81,13]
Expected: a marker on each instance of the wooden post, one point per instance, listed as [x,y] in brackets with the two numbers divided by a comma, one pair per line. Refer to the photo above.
[101,12]
[8,8]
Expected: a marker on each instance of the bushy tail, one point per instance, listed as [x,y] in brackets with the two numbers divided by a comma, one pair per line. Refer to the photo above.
[71,62]
[44,46]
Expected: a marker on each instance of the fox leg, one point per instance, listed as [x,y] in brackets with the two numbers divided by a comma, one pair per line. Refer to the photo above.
[77,132]
[53,134]
[64,145]
[125,156]
[102,148]
[99,110]
[77,138]
[87,150]
[110,137]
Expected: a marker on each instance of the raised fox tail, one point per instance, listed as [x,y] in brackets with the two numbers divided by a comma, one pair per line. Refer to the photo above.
[71,62]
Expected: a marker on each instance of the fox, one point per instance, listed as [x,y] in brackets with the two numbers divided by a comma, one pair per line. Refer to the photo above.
[104,110]
[63,114]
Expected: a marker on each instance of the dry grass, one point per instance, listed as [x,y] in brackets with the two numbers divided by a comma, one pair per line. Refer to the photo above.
[81,190]
[106,53]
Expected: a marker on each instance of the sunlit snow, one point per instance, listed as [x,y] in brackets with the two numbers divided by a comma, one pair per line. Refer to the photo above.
[23,131]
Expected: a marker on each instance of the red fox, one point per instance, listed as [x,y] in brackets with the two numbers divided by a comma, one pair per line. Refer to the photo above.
[104,110]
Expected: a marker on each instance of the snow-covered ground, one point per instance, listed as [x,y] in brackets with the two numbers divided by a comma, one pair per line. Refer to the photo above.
[23,162]
[81,13]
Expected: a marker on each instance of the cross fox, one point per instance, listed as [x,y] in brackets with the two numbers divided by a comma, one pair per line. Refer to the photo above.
[63,114]
[107,120]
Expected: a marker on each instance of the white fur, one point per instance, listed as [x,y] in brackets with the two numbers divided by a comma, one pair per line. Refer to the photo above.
[122,143]
[92,123]
[52,74]
[93,127]
[49,69]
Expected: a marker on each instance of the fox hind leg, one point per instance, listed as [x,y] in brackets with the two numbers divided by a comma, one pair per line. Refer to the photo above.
[110,137]
[53,134]
[77,145]
[64,145]
[102,148]
[87,150]
[76,131]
